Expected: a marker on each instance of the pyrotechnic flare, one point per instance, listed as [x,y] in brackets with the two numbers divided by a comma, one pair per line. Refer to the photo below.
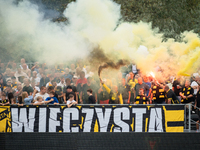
[155,80]
[152,74]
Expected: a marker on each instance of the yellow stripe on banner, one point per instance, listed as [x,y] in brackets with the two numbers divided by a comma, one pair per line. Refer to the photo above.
[62,107]
[111,129]
[146,124]
[173,116]
[5,119]
[148,107]
[175,129]
[132,124]
[79,107]
[96,126]
[81,125]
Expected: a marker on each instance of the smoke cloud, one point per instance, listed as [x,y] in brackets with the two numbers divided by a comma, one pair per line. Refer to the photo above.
[94,24]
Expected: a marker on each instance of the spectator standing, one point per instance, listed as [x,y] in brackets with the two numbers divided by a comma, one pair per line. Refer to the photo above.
[142,85]
[35,67]
[43,93]
[82,79]
[115,96]
[68,83]
[88,72]
[186,93]
[141,98]
[18,91]
[26,70]
[53,98]
[44,80]
[91,98]
[83,95]
[51,78]
[62,82]
[176,87]
[146,81]
[132,82]
[26,98]
[67,74]
[8,74]
[40,71]
[125,91]
[68,92]
[14,67]
[72,69]
[20,75]
[27,88]
[14,83]
[2,82]
[171,96]
[158,94]
[23,61]
[4,101]
[35,79]
[71,101]
[194,85]
[2,68]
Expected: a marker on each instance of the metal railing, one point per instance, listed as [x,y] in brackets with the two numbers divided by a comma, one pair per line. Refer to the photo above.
[188,117]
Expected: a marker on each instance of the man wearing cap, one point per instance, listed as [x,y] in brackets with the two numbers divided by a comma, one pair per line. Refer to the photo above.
[83,95]
[68,92]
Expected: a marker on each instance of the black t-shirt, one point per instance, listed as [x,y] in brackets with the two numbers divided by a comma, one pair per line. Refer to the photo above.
[141,99]
[176,91]
[28,89]
[79,88]
[58,92]
[198,99]
[73,89]
[3,101]
[91,99]
[124,90]
[44,81]
[171,95]
[85,88]
[186,92]
[158,94]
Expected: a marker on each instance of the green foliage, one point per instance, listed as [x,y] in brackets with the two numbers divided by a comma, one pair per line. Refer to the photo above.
[172,17]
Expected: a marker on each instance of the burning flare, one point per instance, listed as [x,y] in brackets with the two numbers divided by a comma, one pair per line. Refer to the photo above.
[152,74]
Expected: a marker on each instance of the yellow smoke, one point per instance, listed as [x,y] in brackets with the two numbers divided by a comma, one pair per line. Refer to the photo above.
[195,43]
[95,23]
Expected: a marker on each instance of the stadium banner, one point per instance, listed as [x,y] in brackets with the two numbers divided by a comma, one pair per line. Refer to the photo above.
[92,118]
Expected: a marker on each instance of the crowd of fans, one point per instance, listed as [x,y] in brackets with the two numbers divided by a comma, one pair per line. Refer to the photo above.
[39,84]
[76,84]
